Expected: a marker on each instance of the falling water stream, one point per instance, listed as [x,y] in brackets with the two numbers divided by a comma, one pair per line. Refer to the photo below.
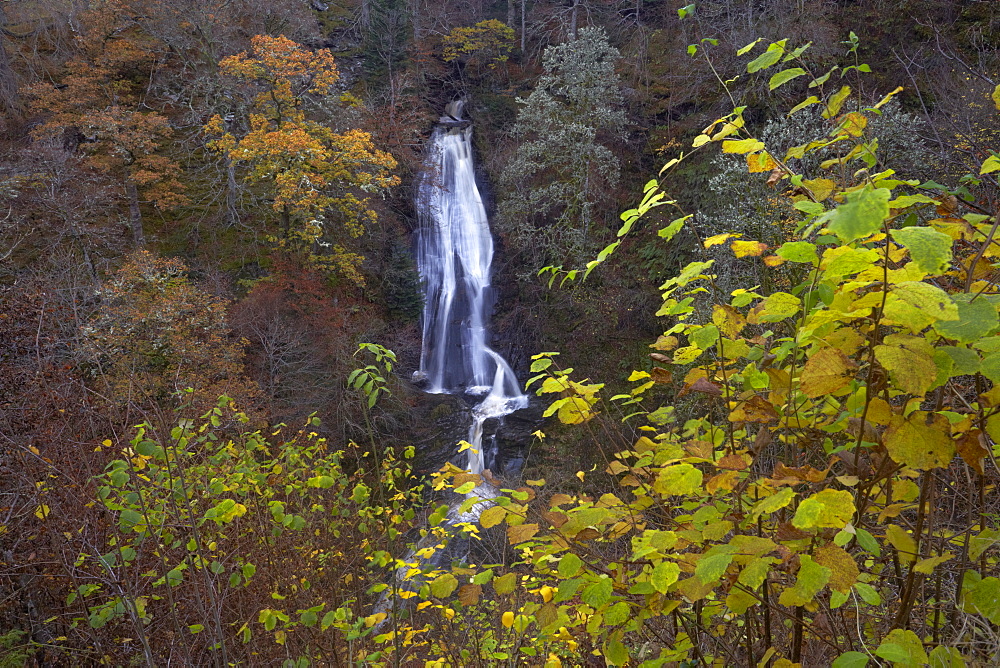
[454,254]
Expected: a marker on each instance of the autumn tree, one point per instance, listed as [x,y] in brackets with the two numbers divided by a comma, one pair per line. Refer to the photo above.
[315,175]
[486,44]
[157,334]
[98,107]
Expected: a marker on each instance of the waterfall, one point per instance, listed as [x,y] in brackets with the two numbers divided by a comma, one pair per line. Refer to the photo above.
[454,254]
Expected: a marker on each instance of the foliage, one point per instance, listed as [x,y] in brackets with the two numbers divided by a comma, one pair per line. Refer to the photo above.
[562,169]
[98,107]
[159,334]
[313,173]
[487,43]
[235,542]
[799,521]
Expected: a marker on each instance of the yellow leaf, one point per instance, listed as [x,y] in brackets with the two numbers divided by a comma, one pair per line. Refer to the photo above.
[820,188]
[927,566]
[742,146]
[760,162]
[748,248]
[507,619]
[996,97]
[921,440]
[718,239]
[42,511]
[826,372]
[903,542]
[492,516]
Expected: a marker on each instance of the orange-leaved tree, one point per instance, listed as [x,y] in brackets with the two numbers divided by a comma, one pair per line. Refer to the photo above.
[313,173]
[97,108]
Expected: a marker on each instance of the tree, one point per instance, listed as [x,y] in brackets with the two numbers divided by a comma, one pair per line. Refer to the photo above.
[488,43]
[97,108]
[311,172]
[158,334]
[563,170]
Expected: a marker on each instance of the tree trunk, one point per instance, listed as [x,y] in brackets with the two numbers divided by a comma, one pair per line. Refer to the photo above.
[134,215]
[231,188]
[524,20]
[573,19]
[511,12]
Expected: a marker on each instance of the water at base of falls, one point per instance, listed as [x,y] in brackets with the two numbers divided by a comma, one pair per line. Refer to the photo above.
[454,254]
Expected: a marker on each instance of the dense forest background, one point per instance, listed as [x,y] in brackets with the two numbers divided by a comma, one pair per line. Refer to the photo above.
[205,198]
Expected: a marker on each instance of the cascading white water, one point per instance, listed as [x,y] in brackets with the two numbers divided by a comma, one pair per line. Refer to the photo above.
[454,255]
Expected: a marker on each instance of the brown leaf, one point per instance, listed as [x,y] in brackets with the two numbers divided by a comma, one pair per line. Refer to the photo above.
[520,533]
[763,439]
[657,357]
[661,375]
[844,569]
[775,176]
[469,594]
[554,518]
[788,532]
[705,386]
[701,449]
[754,409]
[588,534]
[733,462]
[972,448]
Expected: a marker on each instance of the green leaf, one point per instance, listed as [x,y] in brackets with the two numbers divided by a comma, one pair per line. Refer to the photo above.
[569,565]
[664,574]
[443,585]
[946,657]
[798,251]
[784,77]
[903,648]
[991,367]
[615,652]
[991,164]
[976,319]
[811,578]
[770,504]
[930,249]
[598,593]
[868,593]
[678,480]
[505,584]
[850,660]
[712,567]
[984,596]
[830,508]
[836,102]
[778,306]
[868,542]
[861,215]
[773,54]
[966,362]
